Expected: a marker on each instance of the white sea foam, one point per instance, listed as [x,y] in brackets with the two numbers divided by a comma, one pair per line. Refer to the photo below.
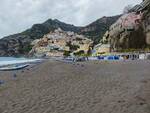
[11,60]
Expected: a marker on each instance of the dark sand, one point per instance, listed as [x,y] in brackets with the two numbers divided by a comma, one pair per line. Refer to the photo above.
[89,87]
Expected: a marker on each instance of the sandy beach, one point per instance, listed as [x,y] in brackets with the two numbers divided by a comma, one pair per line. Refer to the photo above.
[86,87]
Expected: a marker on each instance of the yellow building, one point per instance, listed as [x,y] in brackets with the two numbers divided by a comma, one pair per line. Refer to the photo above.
[101,49]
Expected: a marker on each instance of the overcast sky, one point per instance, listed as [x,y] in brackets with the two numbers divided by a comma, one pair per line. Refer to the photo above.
[18,15]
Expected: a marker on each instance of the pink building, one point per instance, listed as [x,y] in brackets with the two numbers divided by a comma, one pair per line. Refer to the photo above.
[131,20]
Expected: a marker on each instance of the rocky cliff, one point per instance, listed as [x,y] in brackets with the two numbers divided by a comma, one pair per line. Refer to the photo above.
[132,30]
[96,30]
[146,23]
[19,44]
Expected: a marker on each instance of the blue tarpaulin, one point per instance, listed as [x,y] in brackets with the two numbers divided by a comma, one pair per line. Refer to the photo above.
[113,57]
[100,57]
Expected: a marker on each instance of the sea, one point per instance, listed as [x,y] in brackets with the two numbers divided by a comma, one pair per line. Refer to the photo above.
[13,60]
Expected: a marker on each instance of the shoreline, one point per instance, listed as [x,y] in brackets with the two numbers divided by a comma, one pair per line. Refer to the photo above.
[19,61]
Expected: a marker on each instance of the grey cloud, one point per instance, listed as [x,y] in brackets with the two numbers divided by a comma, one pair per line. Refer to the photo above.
[18,15]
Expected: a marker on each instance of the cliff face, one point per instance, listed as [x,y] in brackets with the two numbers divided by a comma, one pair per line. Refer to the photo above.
[146,25]
[131,31]
[19,44]
[96,30]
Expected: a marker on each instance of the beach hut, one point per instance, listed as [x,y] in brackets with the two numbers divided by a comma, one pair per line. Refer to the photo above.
[142,56]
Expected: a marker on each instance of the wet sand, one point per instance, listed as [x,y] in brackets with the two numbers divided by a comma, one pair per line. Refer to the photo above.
[88,87]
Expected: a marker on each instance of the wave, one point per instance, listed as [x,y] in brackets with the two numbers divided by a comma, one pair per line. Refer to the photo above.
[12,60]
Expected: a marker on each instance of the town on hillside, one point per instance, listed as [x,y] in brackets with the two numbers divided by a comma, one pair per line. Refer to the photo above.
[127,38]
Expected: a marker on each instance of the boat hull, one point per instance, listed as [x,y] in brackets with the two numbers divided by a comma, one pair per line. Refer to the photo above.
[11,68]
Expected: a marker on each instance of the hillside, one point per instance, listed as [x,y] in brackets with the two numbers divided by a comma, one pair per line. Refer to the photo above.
[132,30]
[19,44]
[96,30]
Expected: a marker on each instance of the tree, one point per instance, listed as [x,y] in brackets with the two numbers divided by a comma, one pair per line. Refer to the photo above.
[79,53]
[72,47]
[67,53]
[25,49]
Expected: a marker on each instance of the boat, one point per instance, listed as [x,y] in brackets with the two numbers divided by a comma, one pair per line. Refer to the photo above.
[14,67]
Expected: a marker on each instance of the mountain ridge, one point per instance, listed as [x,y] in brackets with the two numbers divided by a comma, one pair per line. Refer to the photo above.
[19,44]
